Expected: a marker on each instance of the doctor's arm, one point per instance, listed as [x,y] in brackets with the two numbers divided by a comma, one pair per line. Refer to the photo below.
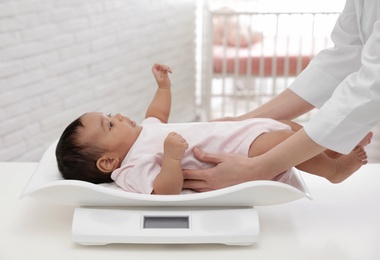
[161,104]
[285,106]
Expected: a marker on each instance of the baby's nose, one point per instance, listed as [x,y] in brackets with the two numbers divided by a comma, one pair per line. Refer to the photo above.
[119,116]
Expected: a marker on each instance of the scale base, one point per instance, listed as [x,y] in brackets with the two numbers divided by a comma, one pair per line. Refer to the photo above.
[171,225]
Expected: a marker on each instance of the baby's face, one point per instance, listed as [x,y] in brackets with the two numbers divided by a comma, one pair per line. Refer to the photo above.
[115,133]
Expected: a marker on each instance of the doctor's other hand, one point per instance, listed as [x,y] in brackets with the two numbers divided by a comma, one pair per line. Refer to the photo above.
[229,169]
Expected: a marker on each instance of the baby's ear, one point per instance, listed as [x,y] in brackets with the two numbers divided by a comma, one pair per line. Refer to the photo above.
[107,164]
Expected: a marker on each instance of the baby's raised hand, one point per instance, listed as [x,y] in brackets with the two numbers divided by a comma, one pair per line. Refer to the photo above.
[160,73]
[175,146]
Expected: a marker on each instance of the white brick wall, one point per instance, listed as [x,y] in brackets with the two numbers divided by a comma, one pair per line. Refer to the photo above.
[59,59]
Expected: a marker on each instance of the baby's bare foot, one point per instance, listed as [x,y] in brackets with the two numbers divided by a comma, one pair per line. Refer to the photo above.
[346,165]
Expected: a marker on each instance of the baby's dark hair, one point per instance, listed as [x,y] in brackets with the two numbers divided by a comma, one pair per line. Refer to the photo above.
[77,161]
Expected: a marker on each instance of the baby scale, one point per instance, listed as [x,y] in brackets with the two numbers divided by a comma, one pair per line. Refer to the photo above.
[106,214]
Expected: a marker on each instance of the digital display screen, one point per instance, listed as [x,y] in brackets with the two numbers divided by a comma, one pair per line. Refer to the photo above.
[166,222]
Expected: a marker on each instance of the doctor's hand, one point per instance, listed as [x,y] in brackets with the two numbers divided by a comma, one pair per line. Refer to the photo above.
[229,169]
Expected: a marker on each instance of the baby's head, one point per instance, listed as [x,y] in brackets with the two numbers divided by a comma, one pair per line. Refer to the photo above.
[94,145]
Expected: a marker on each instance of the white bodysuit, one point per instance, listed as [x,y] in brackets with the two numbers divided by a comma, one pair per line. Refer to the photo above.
[143,161]
[344,81]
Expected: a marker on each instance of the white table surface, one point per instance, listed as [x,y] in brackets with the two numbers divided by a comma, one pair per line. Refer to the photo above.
[342,222]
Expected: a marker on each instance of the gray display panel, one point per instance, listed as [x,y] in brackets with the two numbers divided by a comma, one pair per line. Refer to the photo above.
[166,222]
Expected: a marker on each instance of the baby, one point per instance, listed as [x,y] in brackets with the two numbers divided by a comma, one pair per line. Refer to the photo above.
[149,157]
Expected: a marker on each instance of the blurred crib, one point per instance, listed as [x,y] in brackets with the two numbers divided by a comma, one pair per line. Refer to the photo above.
[254,56]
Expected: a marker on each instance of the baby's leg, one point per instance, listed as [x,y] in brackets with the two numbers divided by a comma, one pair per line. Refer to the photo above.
[267,141]
[335,170]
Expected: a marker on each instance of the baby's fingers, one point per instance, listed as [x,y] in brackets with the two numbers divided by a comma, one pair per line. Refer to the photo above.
[165,68]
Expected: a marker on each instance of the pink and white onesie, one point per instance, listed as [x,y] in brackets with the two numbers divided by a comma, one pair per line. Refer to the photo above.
[143,161]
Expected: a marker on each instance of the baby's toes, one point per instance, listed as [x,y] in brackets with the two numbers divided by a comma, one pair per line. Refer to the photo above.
[361,153]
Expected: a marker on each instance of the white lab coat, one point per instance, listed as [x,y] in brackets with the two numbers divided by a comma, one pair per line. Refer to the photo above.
[344,81]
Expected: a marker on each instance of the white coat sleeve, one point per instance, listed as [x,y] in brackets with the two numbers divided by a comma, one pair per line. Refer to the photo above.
[352,108]
[331,66]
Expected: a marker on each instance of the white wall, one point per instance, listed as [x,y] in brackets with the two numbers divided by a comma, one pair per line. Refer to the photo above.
[61,58]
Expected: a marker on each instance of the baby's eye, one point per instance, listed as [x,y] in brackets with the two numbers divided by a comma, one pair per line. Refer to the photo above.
[111,124]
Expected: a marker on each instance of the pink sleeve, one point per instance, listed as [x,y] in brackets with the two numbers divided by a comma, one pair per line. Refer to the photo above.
[138,177]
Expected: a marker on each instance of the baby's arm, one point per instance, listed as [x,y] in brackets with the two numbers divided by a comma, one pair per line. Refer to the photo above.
[161,103]
[170,178]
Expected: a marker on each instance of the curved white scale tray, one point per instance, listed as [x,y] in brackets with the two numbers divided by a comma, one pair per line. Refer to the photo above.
[47,184]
